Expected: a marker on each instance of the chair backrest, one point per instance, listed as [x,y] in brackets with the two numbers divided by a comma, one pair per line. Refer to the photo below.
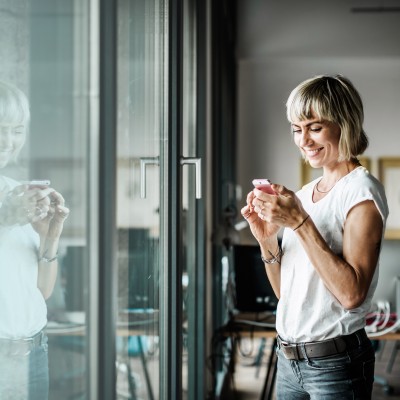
[252,287]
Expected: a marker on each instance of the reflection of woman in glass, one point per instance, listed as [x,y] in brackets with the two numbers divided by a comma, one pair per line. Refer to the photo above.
[31,221]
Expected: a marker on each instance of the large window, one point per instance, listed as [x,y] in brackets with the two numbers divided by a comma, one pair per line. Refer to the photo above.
[101,258]
[44,50]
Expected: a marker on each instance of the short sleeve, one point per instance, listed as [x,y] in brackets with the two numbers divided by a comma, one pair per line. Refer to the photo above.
[365,187]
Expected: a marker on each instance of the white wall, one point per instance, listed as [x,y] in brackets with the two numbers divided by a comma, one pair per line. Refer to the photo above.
[265,145]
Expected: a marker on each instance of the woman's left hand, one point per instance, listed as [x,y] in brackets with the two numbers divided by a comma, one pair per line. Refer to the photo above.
[51,223]
[284,209]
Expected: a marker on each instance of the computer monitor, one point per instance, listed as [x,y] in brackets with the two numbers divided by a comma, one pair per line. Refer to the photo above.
[143,276]
[253,291]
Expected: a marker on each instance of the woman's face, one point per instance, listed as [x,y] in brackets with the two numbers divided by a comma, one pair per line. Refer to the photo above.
[318,140]
[12,138]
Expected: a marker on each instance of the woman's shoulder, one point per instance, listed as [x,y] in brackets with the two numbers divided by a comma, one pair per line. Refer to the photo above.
[361,185]
[361,178]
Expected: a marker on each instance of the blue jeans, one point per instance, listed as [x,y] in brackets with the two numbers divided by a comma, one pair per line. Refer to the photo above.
[349,375]
[24,371]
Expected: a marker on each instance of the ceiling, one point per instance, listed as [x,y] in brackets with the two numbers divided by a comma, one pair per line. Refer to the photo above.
[318,28]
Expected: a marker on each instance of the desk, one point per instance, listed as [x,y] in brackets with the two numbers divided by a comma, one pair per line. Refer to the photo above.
[138,323]
[240,326]
[251,325]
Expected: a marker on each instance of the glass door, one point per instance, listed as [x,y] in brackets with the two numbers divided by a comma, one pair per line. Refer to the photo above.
[45,129]
[192,253]
[141,125]
[159,333]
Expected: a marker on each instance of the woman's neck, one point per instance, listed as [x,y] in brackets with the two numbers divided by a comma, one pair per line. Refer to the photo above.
[331,177]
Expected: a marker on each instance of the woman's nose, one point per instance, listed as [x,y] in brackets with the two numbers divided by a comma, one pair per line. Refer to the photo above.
[305,138]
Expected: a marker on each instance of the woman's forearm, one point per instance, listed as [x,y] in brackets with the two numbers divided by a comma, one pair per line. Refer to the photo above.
[270,250]
[47,266]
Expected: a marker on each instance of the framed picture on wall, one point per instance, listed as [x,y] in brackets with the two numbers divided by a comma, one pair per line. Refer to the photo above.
[307,173]
[389,175]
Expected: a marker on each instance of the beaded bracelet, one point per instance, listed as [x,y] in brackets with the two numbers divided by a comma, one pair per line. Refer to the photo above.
[274,259]
[48,260]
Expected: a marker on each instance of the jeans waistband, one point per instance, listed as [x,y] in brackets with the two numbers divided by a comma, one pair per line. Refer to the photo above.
[22,346]
[323,348]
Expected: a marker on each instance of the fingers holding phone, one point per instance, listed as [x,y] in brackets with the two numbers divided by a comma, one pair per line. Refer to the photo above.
[37,183]
[264,185]
[253,211]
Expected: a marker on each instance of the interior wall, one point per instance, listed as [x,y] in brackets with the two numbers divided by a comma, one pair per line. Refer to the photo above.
[265,145]
[267,74]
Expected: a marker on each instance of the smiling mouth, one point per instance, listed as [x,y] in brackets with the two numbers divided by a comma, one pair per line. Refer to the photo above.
[314,152]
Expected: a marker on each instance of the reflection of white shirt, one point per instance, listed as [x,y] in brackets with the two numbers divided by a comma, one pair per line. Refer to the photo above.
[307,311]
[23,310]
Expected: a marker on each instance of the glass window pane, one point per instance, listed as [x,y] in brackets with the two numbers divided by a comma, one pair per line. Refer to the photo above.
[43,254]
[140,121]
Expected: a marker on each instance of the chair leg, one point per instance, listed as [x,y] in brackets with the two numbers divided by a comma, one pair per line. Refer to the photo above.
[380,349]
[145,370]
[271,370]
[384,383]
[393,357]
[258,360]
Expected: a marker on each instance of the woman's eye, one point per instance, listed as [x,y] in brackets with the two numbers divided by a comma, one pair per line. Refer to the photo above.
[316,129]
[19,130]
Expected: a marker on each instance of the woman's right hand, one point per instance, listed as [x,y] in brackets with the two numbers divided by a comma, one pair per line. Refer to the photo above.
[24,205]
[260,228]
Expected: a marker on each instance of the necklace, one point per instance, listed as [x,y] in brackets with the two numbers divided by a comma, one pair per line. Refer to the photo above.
[324,191]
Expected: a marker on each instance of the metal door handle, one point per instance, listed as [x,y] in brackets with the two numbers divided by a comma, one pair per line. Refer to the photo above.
[197,164]
[144,162]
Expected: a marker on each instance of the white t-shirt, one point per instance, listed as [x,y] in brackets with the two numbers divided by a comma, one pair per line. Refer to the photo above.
[23,310]
[307,310]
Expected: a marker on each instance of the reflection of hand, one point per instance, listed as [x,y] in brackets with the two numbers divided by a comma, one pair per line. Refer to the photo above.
[52,221]
[44,208]
[24,205]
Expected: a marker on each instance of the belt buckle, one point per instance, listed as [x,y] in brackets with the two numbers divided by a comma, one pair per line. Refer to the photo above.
[290,351]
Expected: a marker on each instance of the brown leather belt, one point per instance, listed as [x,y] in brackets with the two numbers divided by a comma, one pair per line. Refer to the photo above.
[323,348]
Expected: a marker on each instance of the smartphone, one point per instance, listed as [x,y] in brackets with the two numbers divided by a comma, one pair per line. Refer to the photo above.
[264,185]
[38,183]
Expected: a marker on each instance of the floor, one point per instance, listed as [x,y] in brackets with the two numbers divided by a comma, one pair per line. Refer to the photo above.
[248,379]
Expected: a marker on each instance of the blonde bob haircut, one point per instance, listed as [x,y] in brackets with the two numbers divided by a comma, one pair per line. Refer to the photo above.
[14,110]
[333,99]
[14,105]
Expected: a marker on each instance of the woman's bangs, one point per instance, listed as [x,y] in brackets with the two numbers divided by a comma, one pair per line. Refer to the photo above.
[300,109]
[13,112]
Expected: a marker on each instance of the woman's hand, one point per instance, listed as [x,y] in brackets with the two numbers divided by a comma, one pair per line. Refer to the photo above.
[24,205]
[284,209]
[253,213]
[267,213]
[51,223]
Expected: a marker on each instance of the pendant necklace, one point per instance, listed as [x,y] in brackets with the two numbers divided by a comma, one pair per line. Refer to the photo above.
[324,191]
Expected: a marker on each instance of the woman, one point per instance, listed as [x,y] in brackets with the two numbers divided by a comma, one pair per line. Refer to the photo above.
[326,272]
[31,222]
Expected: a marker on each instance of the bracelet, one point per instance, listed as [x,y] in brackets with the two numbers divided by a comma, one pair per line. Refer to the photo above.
[274,259]
[301,223]
[48,260]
